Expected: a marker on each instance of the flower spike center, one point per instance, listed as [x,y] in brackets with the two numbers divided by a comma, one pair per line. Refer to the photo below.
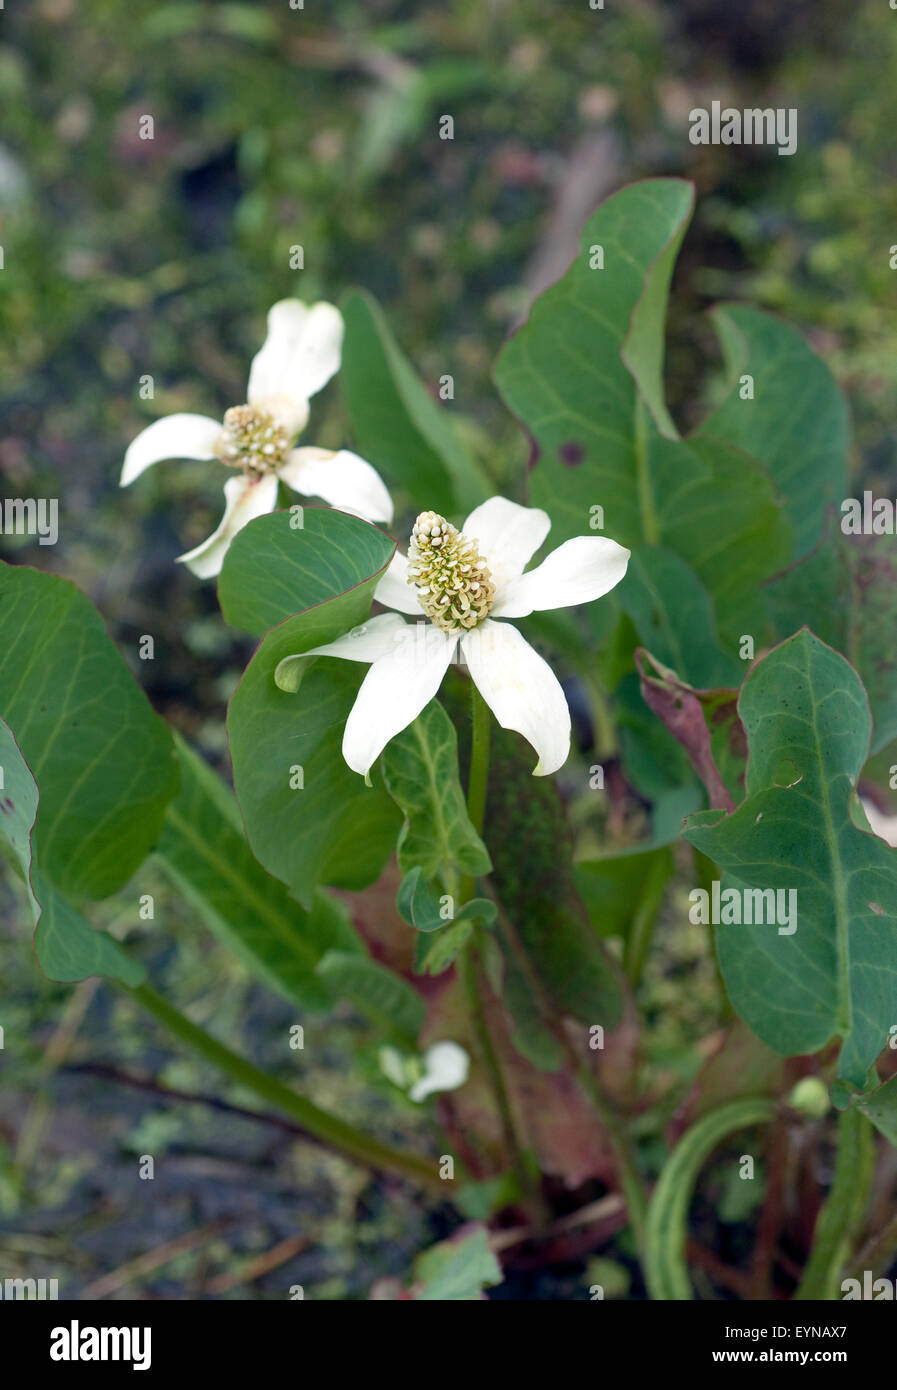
[252,440]
[453,582]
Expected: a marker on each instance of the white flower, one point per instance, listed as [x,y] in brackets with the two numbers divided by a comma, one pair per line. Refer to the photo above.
[462,581]
[443,1067]
[299,356]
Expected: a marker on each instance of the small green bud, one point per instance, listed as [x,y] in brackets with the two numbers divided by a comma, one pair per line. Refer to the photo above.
[810,1097]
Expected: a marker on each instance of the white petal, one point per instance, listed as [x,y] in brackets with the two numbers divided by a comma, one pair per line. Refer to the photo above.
[395,690]
[579,571]
[300,354]
[394,591]
[172,437]
[366,642]
[244,501]
[446,1066]
[342,479]
[521,690]
[508,536]
[885,827]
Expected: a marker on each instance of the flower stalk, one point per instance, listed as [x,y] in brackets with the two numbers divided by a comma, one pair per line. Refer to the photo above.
[335,1133]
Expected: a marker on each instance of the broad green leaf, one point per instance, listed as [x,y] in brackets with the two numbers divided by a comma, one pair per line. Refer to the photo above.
[457,1269]
[420,769]
[204,851]
[846,591]
[674,617]
[398,426]
[275,568]
[797,422]
[67,947]
[807,722]
[104,762]
[309,819]
[584,376]
[563,374]
[388,1001]
[666,1272]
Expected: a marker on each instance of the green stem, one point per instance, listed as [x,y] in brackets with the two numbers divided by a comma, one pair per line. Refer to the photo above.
[633,1186]
[335,1133]
[469,962]
[469,970]
[478,778]
[843,1210]
[479,760]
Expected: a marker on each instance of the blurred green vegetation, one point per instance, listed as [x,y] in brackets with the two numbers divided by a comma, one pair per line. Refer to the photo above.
[276,127]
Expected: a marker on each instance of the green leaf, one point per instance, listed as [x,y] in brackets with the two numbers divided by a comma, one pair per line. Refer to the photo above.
[563,374]
[880,1107]
[457,1269]
[398,426]
[666,1272]
[420,769]
[67,947]
[846,591]
[807,722]
[584,376]
[420,907]
[674,617]
[388,1001]
[204,851]
[435,951]
[274,568]
[797,422]
[623,894]
[332,829]
[103,760]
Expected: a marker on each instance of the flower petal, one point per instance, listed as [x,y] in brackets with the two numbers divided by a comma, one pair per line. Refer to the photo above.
[300,354]
[395,690]
[579,571]
[394,591]
[366,642]
[521,690]
[244,501]
[508,536]
[172,437]
[446,1066]
[341,478]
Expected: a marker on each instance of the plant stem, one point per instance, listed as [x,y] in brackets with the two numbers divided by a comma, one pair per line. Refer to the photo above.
[469,962]
[631,1182]
[469,970]
[478,777]
[319,1124]
[843,1210]
[479,760]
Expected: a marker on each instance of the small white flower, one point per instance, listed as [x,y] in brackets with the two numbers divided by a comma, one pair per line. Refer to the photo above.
[462,581]
[299,356]
[443,1067]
